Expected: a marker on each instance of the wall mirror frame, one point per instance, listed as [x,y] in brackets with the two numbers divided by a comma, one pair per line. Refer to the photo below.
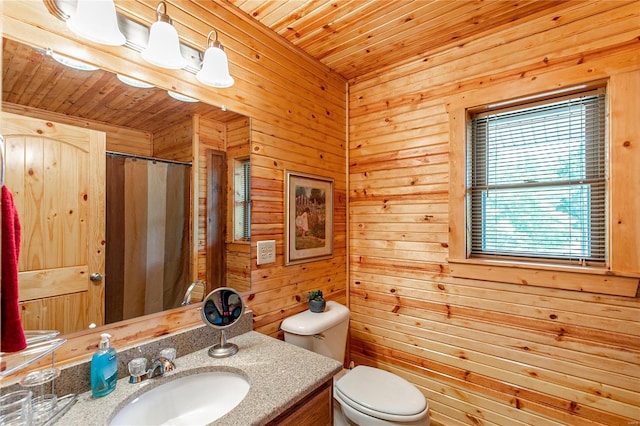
[200,262]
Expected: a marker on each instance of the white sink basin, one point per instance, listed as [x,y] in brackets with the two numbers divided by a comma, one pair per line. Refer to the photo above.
[198,399]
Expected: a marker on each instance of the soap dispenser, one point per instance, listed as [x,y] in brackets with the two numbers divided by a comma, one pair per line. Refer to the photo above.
[104,368]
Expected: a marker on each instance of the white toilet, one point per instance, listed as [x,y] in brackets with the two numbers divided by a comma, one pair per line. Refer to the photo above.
[367,396]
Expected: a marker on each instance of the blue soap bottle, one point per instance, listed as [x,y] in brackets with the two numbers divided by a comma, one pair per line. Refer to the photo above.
[104,368]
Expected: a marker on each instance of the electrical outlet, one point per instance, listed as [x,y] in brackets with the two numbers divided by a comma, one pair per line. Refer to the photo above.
[266,252]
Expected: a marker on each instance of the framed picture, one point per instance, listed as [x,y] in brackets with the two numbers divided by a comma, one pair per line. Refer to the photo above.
[309,217]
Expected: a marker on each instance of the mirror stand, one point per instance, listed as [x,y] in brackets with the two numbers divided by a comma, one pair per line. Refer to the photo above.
[221,309]
[224,348]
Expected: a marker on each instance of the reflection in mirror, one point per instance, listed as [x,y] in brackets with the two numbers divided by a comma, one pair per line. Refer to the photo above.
[195,293]
[147,231]
[137,124]
[221,309]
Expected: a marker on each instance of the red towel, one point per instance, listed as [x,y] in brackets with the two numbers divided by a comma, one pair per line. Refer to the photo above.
[12,335]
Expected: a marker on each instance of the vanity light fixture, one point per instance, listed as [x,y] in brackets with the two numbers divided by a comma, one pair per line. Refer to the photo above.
[96,20]
[181,97]
[159,45]
[133,82]
[215,66]
[70,62]
[163,48]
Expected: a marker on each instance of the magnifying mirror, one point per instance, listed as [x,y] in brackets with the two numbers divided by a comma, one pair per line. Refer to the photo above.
[221,309]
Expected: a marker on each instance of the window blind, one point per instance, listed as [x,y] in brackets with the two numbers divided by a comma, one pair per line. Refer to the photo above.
[242,200]
[246,167]
[537,181]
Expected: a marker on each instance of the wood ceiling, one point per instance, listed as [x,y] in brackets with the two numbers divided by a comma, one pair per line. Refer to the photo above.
[359,37]
[355,38]
[31,78]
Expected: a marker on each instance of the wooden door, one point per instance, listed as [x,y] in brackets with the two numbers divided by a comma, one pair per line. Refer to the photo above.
[56,173]
[216,202]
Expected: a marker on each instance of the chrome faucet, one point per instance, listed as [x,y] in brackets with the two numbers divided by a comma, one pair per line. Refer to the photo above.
[156,369]
[159,366]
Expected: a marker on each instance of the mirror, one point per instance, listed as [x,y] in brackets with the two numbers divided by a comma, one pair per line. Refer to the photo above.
[221,309]
[195,293]
[143,123]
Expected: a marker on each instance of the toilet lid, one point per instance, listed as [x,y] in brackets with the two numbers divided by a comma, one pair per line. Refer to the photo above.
[380,391]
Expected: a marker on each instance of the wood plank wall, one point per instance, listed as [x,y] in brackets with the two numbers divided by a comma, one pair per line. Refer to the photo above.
[174,142]
[234,138]
[119,139]
[483,352]
[210,135]
[298,112]
[238,253]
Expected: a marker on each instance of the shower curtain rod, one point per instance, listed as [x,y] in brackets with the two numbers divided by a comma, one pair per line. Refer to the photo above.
[142,157]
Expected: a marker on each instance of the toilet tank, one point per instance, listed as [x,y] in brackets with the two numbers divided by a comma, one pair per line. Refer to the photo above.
[324,333]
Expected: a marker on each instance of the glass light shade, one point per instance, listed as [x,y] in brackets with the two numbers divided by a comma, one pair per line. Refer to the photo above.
[96,20]
[163,49]
[180,97]
[134,82]
[215,69]
[72,63]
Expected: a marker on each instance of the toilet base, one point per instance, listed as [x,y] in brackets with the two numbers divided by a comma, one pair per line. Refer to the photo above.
[341,419]
[338,416]
[354,418]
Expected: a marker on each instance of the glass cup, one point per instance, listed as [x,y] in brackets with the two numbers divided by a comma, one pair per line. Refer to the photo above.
[43,406]
[15,409]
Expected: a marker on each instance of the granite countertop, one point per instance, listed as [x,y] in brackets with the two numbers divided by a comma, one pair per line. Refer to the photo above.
[279,375]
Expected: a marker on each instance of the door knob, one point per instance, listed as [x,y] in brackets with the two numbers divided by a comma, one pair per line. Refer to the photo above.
[96,277]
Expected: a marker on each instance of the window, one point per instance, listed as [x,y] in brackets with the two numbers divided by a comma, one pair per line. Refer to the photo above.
[242,200]
[566,228]
[536,181]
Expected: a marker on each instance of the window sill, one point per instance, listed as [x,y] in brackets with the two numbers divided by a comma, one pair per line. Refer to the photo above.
[576,278]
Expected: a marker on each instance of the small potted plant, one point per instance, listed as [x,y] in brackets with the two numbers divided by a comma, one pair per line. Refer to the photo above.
[316,301]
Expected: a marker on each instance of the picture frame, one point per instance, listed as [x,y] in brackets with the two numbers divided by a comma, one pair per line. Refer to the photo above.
[309,217]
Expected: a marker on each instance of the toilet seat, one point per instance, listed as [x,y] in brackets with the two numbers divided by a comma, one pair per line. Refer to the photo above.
[381,394]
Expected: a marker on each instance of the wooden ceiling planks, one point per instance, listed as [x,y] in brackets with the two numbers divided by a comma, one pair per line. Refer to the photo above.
[271,13]
[378,47]
[33,79]
[353,35]
[323,22]
[358,37]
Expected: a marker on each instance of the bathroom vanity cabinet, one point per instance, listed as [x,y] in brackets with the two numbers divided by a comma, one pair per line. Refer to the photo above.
[315,409]
[289,385]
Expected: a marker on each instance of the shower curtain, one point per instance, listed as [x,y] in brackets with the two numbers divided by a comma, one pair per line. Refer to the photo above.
[147,231]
